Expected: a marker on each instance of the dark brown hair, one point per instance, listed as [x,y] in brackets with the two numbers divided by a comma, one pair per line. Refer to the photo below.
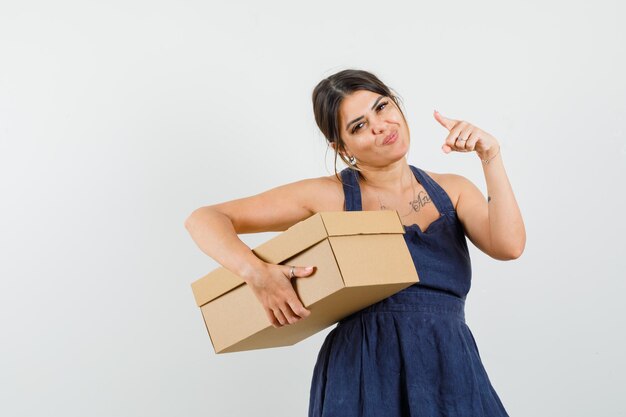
[327,97]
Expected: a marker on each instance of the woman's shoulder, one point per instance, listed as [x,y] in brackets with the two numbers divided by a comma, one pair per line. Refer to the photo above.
[326,194]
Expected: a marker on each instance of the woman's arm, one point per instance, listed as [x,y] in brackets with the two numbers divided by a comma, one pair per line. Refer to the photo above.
[215,228]
[215,235]
[495,224]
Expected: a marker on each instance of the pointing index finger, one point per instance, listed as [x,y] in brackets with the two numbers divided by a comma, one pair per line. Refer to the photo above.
[444,121]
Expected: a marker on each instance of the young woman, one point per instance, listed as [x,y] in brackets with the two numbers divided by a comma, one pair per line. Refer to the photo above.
[410,354]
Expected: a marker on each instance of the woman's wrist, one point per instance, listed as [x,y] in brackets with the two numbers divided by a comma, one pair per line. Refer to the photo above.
[250,270]
[489,154]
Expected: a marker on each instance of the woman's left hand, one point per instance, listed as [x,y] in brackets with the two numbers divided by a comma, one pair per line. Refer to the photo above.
[465,137]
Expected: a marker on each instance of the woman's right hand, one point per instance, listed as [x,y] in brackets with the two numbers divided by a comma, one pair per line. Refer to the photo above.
[273,288]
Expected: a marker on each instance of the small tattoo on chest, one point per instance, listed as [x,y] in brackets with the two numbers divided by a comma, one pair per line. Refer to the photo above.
[421,200]
[488,198]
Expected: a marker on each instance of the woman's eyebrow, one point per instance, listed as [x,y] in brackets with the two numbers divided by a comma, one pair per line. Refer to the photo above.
[360,117]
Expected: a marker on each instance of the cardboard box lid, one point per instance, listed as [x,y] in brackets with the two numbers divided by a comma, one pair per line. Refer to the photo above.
[298,238]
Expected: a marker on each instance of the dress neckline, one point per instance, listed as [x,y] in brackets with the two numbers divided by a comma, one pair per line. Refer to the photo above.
[437,195]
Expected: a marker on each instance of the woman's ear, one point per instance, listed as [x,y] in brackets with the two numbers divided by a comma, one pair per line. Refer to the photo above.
[334,146]
[344,153]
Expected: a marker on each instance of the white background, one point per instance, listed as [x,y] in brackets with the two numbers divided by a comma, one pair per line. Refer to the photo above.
[118,119]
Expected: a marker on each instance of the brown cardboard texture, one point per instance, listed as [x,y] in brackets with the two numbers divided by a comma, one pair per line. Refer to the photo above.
[361,257]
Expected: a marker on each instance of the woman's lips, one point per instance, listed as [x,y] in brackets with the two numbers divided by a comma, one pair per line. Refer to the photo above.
[391,139]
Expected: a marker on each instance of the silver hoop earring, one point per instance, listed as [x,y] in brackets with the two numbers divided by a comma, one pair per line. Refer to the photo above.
[352,160]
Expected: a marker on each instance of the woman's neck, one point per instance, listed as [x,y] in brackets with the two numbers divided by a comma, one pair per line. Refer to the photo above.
[394,178]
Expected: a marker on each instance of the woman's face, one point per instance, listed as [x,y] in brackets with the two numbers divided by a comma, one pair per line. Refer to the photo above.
[366,119]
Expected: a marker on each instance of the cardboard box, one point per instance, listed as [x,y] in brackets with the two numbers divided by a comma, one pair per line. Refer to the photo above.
[361,257]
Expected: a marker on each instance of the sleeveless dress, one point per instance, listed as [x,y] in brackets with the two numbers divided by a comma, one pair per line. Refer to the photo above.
[411,354]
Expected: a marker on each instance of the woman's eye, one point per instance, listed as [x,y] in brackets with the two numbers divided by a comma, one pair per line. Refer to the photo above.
[380,107]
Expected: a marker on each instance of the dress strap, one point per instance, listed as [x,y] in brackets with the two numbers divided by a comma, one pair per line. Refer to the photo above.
[351,190]
[438,195]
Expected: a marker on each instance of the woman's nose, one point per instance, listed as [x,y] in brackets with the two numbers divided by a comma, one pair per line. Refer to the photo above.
[378,126]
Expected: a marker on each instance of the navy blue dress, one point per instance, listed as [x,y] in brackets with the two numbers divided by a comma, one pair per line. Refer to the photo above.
[411,354]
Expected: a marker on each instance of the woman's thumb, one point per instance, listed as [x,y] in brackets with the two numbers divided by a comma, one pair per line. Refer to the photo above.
[302,271]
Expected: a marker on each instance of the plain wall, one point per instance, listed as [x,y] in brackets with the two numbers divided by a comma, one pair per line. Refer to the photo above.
[118,119]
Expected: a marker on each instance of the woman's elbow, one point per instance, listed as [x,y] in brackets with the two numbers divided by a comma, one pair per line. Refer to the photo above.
[516,253]
[189,221]
[511,253]
[192,218]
